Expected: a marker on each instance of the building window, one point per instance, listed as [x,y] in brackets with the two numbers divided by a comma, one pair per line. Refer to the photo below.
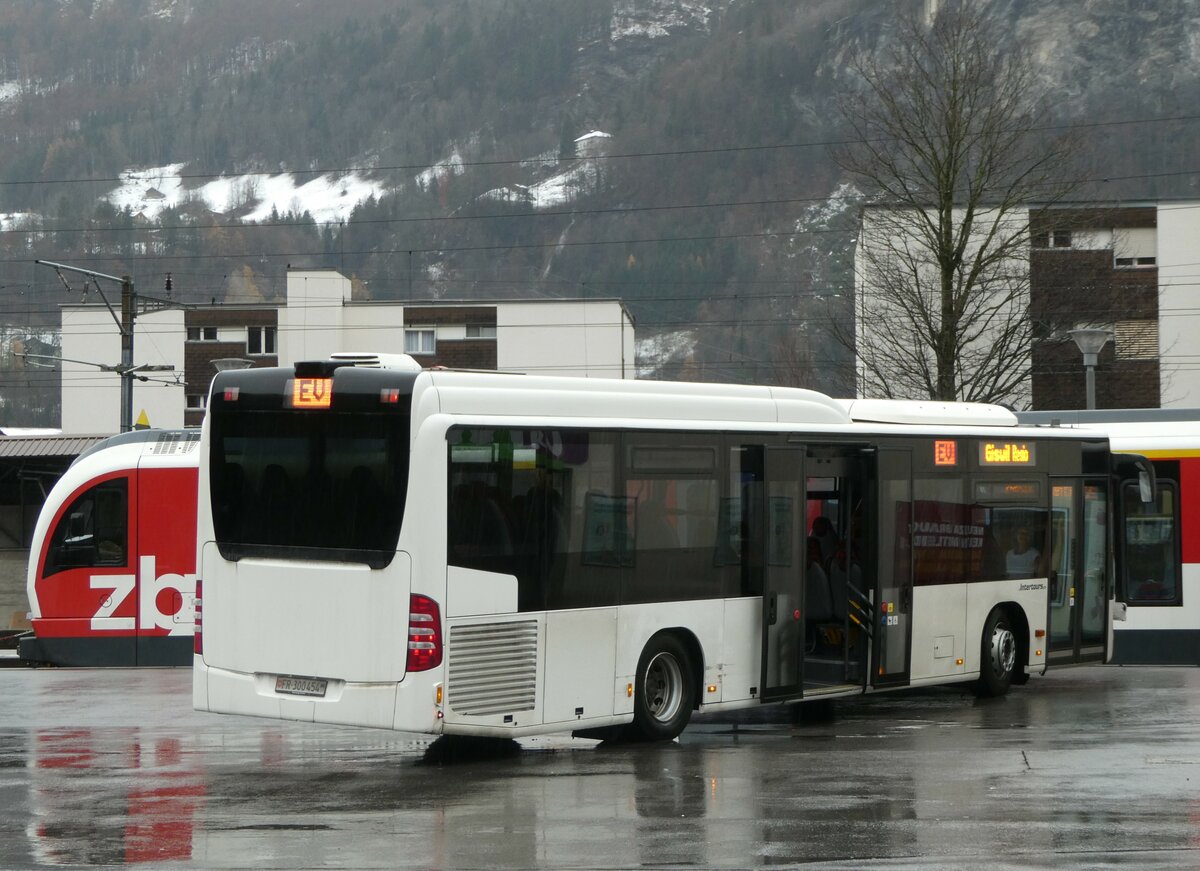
[201,334]
[1136,340]
[481,331]
[1136,262]
[197,401]
[260,340]
[1052,239]
[419,340]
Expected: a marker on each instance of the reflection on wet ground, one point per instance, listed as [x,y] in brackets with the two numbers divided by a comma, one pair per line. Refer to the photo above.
[1087,768]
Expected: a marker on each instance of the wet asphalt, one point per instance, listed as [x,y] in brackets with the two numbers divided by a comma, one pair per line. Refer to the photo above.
[1093,767]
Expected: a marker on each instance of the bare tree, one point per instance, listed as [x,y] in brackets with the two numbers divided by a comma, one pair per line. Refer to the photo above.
[953,148]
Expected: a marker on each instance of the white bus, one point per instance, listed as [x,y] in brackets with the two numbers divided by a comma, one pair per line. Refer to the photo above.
[503,555]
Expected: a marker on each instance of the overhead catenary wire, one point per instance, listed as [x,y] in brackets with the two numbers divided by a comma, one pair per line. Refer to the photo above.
[344,223]
[422,166]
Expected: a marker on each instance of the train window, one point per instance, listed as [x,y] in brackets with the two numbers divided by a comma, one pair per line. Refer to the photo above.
[93,531]
[1151,546]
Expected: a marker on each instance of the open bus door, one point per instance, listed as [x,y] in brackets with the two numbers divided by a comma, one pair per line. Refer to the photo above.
[784,543]
[892,586]
[1079,570]
[818,616]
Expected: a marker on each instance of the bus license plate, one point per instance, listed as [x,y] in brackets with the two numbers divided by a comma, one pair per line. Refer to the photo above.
[301,686]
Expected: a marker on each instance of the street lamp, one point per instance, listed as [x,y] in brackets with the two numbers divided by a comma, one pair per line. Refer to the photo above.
[1090,342]
[222,364]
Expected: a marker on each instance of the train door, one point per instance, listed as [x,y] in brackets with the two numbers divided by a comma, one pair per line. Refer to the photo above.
[1078,570]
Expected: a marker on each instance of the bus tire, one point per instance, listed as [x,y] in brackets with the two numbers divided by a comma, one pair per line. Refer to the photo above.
[665,691]
[998,655]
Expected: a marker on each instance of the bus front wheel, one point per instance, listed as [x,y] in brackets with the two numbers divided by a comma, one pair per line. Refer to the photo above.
[664,693]
[998,655]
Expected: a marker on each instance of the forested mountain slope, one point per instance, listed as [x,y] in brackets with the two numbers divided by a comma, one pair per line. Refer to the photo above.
[428,148]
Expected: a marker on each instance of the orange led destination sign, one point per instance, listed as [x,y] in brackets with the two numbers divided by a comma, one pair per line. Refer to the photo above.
[945,452]
[1006,454]
[312,392]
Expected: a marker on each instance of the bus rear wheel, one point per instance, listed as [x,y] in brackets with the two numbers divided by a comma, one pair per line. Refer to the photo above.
[998,656]
[664,694]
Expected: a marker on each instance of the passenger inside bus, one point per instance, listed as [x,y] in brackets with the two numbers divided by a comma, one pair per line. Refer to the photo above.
[1022,559]
[826,537]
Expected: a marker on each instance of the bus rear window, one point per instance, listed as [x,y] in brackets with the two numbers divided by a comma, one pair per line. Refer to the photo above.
[303,485]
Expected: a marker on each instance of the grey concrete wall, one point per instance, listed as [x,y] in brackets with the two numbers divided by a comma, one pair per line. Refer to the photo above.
[13,603]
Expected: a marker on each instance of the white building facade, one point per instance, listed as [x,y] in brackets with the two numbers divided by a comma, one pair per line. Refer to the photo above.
[588,338]
[1128,268]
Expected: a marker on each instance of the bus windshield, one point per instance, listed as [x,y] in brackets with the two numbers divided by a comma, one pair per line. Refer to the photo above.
[304,485]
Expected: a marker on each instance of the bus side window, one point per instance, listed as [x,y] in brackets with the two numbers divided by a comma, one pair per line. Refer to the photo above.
[1151,545]
[93,531]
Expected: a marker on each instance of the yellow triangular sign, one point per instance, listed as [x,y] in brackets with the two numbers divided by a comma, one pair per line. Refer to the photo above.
[143,422]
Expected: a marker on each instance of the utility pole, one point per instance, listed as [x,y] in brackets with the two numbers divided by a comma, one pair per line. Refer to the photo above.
[125,323]
[127,318]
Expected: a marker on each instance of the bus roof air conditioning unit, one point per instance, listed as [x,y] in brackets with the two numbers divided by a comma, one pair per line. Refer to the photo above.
[378,361]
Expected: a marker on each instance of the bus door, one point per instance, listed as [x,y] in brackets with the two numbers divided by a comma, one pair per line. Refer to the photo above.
[817,611]
[837,603]
[892,585]
[785,544]
[1078,570]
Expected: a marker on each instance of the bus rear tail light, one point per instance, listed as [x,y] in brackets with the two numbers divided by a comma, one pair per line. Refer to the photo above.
[198,638]
[424,634]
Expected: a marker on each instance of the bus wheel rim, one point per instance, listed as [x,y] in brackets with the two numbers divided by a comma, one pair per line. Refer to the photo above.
[1004,650]
[664,687]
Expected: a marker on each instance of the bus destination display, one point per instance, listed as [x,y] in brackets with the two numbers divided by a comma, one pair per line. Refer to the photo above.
[311,392]
[1006,454]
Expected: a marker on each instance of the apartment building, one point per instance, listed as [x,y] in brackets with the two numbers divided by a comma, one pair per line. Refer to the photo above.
[582,337]
[1129,269]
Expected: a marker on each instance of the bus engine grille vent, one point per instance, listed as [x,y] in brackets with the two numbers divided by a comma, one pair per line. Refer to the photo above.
[493,668]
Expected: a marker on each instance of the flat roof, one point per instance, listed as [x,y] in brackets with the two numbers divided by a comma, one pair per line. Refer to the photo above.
[47,446]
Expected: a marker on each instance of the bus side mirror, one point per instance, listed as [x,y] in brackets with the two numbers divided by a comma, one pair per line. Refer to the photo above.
[1145,486]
